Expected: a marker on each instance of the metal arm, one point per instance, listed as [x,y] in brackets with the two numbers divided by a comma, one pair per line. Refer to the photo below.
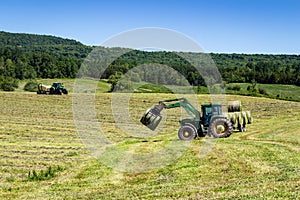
[152,117]
[182,102]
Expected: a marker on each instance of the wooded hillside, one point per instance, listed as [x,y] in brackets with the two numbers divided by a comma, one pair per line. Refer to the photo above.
[28,56]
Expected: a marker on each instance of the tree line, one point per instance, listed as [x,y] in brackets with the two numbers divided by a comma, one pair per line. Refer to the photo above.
[30,65]
[270,69]
[26,56]
[234,68]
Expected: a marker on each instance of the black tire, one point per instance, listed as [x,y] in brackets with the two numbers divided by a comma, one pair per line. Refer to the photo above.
[59,92]
[220,128]
[65,91]
[52,91]
[187,132]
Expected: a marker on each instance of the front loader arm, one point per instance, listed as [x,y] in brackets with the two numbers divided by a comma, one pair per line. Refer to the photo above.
[152,117]
[182,102]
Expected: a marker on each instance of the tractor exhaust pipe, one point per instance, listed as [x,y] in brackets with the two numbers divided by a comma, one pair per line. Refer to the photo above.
[152,117]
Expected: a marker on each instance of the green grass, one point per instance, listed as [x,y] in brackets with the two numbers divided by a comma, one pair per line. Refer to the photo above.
[103,86]
[38,131]
[284,92]
[152,88]
[275,91]
[42,175]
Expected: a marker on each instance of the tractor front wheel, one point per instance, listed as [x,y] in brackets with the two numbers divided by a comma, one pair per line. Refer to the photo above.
[65,91]
[187,132]
[52,91]
[220,128]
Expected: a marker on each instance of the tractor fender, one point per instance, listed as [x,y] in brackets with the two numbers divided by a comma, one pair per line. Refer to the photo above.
[188,121]
[216,116]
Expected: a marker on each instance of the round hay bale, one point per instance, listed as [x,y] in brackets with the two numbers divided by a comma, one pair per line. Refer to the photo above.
[232,118]
[240,119]
[234,106]
[228,116]
[249,116]
[245,118]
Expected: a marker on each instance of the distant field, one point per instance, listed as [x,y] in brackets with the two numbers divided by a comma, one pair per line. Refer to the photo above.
[38,132]
[68,83]
[289,92]
[276,91]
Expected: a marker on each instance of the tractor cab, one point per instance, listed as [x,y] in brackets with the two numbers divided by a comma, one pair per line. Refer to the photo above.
[209,110]
[56,85]
[58,88]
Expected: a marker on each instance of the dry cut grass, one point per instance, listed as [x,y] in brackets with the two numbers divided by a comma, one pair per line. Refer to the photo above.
[38,132]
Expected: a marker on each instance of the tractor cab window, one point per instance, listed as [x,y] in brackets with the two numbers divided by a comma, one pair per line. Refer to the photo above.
[206,114]
[215,110]
[211,111]
[208,111]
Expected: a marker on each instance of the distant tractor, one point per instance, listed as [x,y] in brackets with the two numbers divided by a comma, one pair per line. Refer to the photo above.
[212,122]
[55,88]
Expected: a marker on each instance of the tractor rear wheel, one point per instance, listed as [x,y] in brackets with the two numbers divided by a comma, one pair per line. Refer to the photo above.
[187,132]
[220,128]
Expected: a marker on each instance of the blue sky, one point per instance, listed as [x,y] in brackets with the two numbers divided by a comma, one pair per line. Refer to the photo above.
[230,26]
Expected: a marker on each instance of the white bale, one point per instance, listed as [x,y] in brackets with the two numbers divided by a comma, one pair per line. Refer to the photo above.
[234,106]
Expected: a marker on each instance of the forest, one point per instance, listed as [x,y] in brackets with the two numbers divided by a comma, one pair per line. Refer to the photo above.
[28,56]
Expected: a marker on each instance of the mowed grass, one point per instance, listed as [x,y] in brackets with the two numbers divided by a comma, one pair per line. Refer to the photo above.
[38,131]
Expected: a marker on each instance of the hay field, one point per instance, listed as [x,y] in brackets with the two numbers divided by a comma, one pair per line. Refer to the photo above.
[37,132]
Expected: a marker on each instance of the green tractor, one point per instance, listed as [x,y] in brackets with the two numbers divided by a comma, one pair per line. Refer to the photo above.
[212,122]
[55,88]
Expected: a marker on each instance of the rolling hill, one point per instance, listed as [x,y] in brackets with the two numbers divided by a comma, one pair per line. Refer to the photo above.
[23,39]
[18,51]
